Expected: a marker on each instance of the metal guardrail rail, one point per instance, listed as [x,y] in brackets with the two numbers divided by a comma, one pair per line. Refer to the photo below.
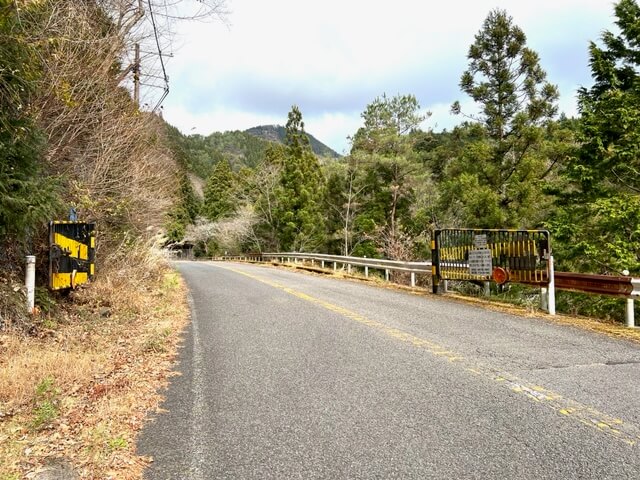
[619,286]
[377,263]
[599,284]
[417,267]
[387,266]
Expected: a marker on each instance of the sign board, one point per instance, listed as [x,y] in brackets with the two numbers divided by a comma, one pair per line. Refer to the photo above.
[71,254]
[475,254]
[480,241]
[480,262]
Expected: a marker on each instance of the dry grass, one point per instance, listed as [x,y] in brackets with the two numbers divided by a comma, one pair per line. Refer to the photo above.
[81,390]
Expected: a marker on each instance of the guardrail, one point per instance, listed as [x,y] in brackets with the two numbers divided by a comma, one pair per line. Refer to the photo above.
[381,264]
[619,286]
[600,284]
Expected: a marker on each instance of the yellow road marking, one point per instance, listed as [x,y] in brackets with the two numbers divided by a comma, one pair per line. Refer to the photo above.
[602,422]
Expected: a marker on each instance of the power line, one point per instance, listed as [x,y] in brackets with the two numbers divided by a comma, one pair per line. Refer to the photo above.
[164,71]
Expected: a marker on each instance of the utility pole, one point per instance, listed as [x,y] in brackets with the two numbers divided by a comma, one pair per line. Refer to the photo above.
[136,64]
[136,75]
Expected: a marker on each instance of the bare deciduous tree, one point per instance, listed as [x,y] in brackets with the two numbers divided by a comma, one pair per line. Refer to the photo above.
[228,234]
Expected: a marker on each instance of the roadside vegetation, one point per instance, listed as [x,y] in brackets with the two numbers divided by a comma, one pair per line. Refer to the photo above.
[78,377]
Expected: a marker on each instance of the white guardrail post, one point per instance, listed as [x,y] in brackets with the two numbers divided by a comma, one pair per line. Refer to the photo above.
[551,294]
[30,283]
[544,304]
[631,320]
[630,313]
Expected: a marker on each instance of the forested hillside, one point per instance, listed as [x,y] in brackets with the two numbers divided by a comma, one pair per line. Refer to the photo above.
[277,133]
[240,149]
[514,164]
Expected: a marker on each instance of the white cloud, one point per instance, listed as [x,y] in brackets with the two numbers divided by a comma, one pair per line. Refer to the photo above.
[330,129]
[220,120]
[335,56]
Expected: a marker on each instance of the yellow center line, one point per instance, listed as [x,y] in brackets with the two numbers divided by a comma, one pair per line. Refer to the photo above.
[586,415]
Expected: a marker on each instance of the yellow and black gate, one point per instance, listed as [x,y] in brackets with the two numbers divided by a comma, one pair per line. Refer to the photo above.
[71,254]
[519,256]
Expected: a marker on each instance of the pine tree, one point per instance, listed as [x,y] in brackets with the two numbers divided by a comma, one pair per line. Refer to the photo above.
[384,151]
[300,192]
[609,160]
[501,173]
[219,192]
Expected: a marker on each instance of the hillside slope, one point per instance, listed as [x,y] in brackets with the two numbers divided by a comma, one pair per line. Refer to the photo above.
[276,133]
[241,149]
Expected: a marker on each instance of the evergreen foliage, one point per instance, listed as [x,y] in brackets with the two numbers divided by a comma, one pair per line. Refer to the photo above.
[219,193]
[501,171]
[300,192]
[512,164]
[383,149]
[386,121]
[27,195]
[599,223]
[185,211]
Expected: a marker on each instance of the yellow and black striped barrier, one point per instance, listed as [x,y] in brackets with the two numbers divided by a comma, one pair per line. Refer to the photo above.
[519,256]
[71,254]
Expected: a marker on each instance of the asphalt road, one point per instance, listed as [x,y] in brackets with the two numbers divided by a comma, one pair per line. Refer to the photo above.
[291,375]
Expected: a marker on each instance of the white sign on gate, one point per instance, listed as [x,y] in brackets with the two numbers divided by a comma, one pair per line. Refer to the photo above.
[480,241]
[480,262]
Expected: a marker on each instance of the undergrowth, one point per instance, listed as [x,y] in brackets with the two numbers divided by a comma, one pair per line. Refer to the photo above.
[78,380]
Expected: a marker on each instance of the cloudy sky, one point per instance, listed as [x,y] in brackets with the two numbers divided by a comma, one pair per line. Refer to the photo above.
[333,57]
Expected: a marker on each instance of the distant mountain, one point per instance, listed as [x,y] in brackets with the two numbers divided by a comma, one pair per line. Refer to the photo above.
[200,153]
[276,133]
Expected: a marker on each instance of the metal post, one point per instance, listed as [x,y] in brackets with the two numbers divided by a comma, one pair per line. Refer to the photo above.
[386,274]
[413,279]
[349,268]
[366,272]
[544,305]
[630,313]
[335,266]
[322,263]
[136,75]
[631,321]
[551,300]
[435,262]
[445,286]
[30,282]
